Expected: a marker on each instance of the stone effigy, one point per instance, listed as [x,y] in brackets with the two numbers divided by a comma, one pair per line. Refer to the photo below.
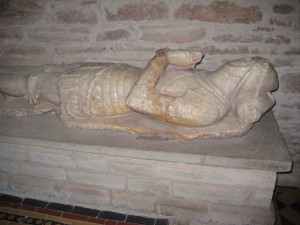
[181,104]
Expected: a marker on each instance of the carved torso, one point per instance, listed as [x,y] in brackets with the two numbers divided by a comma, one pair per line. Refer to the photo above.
[94,91]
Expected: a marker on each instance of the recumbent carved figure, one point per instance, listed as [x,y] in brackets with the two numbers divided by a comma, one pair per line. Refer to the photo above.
[181,104]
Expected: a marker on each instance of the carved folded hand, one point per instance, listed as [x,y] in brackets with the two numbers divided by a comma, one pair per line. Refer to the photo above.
[184,58]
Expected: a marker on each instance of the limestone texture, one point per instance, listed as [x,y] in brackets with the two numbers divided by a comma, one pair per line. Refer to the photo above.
[179,104]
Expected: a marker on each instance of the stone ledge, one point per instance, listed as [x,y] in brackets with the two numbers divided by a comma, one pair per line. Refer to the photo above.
[262,148]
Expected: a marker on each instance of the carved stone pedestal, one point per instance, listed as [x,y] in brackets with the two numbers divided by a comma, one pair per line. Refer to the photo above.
[204,181]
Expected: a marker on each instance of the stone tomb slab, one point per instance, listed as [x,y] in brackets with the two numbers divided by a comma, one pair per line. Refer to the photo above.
[261,148]
[202,181]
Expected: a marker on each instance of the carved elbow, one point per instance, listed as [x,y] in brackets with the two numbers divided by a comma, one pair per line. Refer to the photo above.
[134,100]
[193,115]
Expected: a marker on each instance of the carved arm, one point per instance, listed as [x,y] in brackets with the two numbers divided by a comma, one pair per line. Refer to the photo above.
[144,98]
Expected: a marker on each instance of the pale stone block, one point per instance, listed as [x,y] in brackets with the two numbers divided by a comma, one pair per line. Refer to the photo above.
[181,171]
[13,152]
[242,178]
[9,167]
[262,197]
[42,171]
[74,16]
[131,167]
[123,10]
[92,162]
[217,175]
[83,195]
[186,213]
[55,35]
[183,35]
[179,221]
[219,11]
[133,201]
[142,184]
[4,180]
[59,159]
[33,187]
[215,193]
[196,222]
[101,180]
[241,215]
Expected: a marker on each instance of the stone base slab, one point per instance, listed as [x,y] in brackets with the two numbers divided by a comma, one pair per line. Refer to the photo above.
[228,181]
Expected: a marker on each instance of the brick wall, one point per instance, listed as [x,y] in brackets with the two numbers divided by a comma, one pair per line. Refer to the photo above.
[36,32]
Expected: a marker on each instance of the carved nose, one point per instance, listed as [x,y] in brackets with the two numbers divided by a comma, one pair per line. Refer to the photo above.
[270,82]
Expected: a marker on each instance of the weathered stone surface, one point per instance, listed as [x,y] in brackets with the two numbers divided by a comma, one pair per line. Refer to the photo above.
[71,3]
[281,22]
[138,46]
[278,39]
[288,115]
[294,147]
[100,180]
[292,51]
[139,202]
[266,29]
[269,152]
[113,35]
[215,193]
[81,194]
[71,16]
[279,62]
[90,163]
[180,35]
[143,192]
[4,180]
[13,152]
[129,167]
[248,215]
[77,50]
[149,185]
[291,83]
[138,11]
[283,9]
[264,49]
[255,51]
[22,11]
[59,159]
[55,35]
[88,2]
[238,39]
[118,95]
[39,188]
[38,13]
[219,11]
[11,33]
[41,171]
[22,50]
[24,60]
[11,167]
[215,175]
[212,50]
[84,30]
[185,210]
[296,158]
